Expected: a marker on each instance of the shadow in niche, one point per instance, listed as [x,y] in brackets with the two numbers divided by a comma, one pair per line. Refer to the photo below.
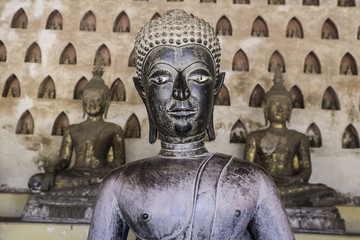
[25,124]
[348,65]
[223,98]
[88,22]
[55,21]
[79,88]
[19,20]
[294,29]
[312,64]
[259,28]
[117,91]
[297,97]
[223,27]
[257,96]
[240,61]
[276,61]
[2,52]
[314,135]
[104,53]
[12,87]
[330,100]
[122,23]
[329,30]
[47,88]
[33,54]
[238,132]
[132,127]
[68,55]
[61,122]
[350,137]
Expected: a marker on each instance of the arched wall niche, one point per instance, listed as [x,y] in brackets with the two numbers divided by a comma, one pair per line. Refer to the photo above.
[19,20]
[175,0]
[88,22]
[259,28]
[350,137]
[223,98]
[311,2]
[68,55]
[276,61]
[330,100]
[346,3]
[294,29]
[297,97]
[156,16]
[348,65]
[240,61]
[25,124]
[314,135]
[54,21]
[241,1]
[117,91]
[223,27]
[312,64]
[79,88]
[131,62]
[276,2]
[238,132]
[61,122]
[33,54]
[132,127]
[104,53]
[122,23]
[2,52]
[12,87]
[257,96]
[329,30]
[47,88]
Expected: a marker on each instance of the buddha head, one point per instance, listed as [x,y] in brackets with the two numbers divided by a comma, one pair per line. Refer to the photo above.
[96,95]
[277,103]
[178,78]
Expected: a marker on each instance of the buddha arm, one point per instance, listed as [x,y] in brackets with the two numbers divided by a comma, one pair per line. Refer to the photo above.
[65,150]
[270,221]
[304,161]
[107,223]
[250,149]
[118,146]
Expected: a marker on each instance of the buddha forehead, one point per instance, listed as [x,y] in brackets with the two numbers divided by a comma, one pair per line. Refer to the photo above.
[279,99]
[179,58]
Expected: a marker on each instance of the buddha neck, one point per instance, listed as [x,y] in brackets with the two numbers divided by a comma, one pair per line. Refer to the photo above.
[183,147]
[95,118]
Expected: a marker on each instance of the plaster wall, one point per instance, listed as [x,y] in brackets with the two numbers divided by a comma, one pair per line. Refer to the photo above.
[23,155]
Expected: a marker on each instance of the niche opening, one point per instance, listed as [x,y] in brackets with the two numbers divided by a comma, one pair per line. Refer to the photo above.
[238,132]
[241,1]
[19,19]
[79,88]
[348,65]
[55,21]
[117,91]
[25,124]
[240,61]
[311,2]
[33,54]
[132,127]
[104,53]
[68,55]
[12,87]
[294,29]
[329,30]
[297,97]
[47,88]
[312,64]
[257,96]
[223,27]
[276,2]
[61,122]
[350,137]
[330,100]
[259,28]
[88,22]
[223,98]
[131,62]
[122,23]
[346,3]
[2,52]
[276,61]
[314,135]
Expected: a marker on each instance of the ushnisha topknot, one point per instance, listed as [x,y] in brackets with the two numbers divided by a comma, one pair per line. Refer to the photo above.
[97,82]
[278,88]
[175,28]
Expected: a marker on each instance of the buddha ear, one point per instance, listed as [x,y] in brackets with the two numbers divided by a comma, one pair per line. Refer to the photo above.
[152,132]
[219,83]
[107,105]
[210,128]
[264,108]
[84,113]
[139,88]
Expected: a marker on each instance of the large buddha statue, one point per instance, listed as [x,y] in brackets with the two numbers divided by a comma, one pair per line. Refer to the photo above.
[98,145]
[285,153]
[185,192]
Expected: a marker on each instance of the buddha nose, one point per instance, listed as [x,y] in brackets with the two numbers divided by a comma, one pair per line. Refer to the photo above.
[181,90]
[279,109]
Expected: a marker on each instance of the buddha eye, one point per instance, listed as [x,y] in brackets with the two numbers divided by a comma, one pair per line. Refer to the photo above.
[199,78]
[159,77]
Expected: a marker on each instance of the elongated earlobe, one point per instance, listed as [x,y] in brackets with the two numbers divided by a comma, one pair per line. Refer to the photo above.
[264,107]
[210,128]
[219,83]
[107,105]
[152,132]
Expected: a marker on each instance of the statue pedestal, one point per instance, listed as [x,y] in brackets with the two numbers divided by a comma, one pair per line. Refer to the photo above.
[316,220]
[50,207]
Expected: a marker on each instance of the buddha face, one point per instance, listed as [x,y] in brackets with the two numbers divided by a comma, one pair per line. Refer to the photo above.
[180,87]
[278,109]
[94,102]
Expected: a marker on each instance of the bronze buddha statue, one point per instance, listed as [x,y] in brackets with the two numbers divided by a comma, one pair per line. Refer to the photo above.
[185,192]
[98,145]
[285,153]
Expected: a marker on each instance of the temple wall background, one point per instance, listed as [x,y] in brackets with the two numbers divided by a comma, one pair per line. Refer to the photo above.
[25,154]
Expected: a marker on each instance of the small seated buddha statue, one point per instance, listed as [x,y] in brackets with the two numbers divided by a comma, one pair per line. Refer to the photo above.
[185,192]
[98,145]
[285,153]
